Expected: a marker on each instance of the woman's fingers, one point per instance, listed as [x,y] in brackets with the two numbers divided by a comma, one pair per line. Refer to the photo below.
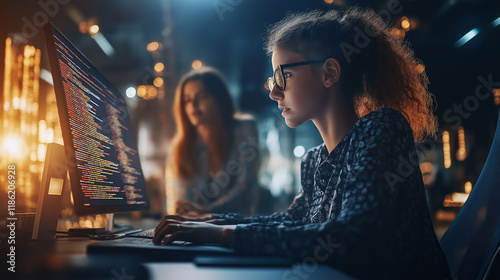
[162,223]
[165,227]
[196,232]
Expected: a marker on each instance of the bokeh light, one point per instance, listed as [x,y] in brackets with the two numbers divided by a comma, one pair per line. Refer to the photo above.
[299,151]
[159,67]
[197,64]
[131,92]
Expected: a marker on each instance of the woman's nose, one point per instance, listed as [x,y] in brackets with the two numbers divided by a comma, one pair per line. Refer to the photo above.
[276,94]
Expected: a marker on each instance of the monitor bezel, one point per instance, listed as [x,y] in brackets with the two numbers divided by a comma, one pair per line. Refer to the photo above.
[74,175]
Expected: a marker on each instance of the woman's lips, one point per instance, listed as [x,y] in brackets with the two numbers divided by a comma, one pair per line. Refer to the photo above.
[284,110]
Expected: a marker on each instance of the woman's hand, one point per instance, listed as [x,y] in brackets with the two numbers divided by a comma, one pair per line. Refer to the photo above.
[196,232]
[201,218]
[188,218]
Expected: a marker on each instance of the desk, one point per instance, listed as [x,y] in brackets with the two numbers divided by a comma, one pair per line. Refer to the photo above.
[66,258]
[191,271]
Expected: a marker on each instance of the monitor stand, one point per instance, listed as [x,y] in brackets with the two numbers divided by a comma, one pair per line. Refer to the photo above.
[111,222]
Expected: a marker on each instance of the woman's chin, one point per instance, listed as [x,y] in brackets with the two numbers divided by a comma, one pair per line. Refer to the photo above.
[293,123]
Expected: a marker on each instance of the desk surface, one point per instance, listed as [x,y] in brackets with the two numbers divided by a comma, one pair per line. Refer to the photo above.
[191,271]
[66,258]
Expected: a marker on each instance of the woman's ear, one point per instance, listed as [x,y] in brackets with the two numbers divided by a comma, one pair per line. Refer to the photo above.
[331,72]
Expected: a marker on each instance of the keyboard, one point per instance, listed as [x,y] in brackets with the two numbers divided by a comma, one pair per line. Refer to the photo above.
[148,241]
[149,233]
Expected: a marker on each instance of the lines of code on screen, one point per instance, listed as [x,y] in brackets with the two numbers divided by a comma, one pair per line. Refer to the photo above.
[105,150]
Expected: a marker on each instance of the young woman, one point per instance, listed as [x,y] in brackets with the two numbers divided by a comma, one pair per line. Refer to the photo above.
[362,206]
[215,155]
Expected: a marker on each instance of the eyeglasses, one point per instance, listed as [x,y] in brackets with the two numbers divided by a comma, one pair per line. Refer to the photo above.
[278,77]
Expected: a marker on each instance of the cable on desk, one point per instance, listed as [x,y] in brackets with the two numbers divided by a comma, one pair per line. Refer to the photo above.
[72,234]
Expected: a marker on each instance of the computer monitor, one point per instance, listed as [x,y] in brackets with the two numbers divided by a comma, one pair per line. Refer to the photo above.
[101,152]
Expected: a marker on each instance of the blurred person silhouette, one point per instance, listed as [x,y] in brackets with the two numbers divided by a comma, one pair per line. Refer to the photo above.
[362,208]
[215,155]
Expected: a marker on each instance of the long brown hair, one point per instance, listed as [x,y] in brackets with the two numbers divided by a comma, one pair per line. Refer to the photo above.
[184,155]
[378,68]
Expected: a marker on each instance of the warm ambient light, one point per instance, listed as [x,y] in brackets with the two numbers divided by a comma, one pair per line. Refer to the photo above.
[11,144]
[329,1]
[159,67]
[446,149]
[461,154]
[496,94]
[158,82]
[428,172]
[153,46]
[170,192]
[455,199]
[468,187]
[42,149]
[94,29]
[405,23]
[197,64]
[42,127]
[152,92]
[83,27]
[141,91]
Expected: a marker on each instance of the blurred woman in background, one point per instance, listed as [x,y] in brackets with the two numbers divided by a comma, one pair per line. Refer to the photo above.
[215,154]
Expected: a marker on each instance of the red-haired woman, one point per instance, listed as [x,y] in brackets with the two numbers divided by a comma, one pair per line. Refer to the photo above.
[362,207]
[215,153]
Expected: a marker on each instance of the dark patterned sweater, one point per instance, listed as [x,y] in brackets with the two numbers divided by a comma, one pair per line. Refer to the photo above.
[362,208]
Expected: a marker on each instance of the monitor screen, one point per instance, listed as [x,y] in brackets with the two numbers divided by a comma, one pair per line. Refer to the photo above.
[101,152]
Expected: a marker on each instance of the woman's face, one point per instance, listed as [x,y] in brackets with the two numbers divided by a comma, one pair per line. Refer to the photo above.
[199,105]
[303,98]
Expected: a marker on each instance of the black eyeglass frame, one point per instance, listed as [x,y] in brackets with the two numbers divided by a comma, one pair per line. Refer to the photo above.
[271,81]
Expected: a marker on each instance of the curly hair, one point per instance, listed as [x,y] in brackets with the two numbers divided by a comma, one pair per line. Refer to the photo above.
[378,68]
